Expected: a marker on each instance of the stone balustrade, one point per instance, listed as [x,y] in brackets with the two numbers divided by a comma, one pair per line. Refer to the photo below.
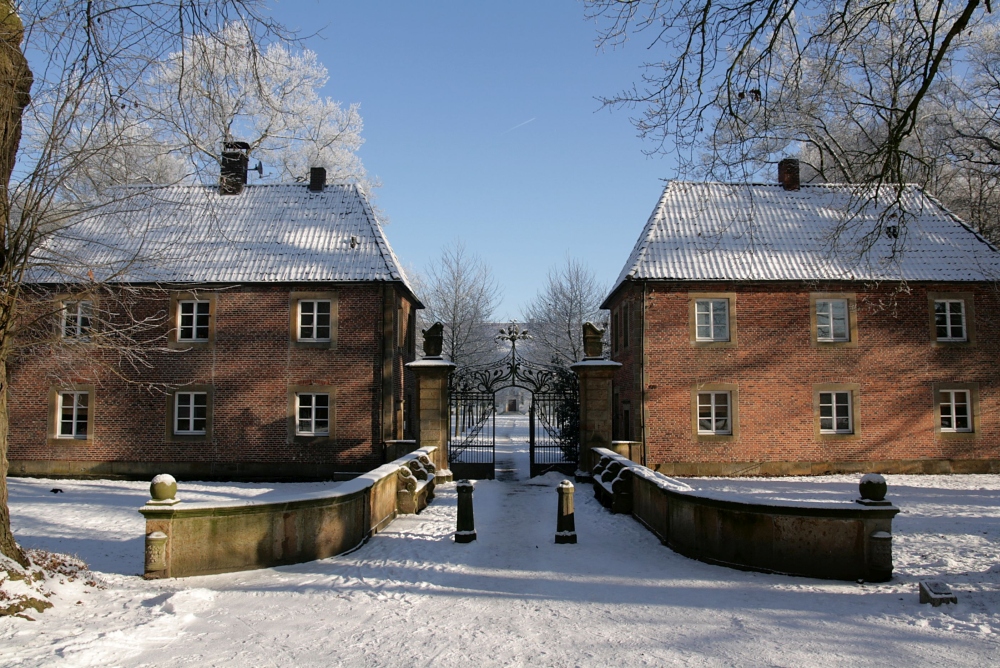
[184,539]
[839,541]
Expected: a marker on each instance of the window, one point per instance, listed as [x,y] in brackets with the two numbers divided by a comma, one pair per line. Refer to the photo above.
[835,416]
[193,320]
[955,410]
[190,413]
[77,318]
[314,320]
[712,319]
[625,325]
[952,318]
[949,319]
[74,415]
[193,324]
[312,414]
[832,320]
[714,413]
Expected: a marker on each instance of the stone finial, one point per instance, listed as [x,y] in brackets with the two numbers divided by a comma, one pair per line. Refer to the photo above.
[593,341]
[433,340]
[163,491]
[872,487]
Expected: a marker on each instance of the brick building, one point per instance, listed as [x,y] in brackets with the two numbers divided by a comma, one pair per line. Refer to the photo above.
[274,322]
[779,329]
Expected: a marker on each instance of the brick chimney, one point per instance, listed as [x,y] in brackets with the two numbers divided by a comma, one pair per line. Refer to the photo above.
[235,159]
[317,179]
[788,174]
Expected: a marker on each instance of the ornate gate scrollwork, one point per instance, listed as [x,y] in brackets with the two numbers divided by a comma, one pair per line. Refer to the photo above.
[554,413]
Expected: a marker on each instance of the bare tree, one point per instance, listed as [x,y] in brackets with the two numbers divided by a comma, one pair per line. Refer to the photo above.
[737,83]
[216,89]
[94,61]
[571,296]
[459,291]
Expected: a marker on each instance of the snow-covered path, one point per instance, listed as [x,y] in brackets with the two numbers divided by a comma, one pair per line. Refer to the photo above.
[513,597]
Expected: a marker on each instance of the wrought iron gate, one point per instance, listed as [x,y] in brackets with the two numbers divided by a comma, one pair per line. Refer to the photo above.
[554,413]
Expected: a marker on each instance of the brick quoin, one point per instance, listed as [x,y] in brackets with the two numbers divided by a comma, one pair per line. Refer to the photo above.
[250,367]
[775,366]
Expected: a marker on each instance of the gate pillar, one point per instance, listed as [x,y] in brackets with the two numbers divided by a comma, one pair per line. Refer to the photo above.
[595,374]
[433,412]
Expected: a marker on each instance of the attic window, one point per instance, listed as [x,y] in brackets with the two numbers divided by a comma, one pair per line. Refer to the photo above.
[892,231]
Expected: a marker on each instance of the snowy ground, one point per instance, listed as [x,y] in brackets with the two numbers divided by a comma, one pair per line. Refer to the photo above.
[513,597]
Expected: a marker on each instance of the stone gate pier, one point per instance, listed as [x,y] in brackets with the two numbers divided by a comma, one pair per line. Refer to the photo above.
[595,374]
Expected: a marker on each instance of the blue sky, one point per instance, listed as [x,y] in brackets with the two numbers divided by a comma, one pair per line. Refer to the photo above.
[482,124]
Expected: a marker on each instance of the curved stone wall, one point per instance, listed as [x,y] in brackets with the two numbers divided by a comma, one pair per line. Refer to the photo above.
[840,541]
[184,539]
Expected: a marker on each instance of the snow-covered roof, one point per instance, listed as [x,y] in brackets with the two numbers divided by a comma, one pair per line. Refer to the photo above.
[192,234]
[753,232]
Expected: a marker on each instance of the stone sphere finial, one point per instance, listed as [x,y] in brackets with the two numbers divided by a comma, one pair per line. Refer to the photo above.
[163,487]
[872,487]
[433,340]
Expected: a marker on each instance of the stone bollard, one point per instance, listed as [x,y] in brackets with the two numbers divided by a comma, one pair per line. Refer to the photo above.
[466,532]
[156,555]
[565,523]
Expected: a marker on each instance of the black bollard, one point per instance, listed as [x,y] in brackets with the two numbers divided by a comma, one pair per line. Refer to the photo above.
[565,524]
[466,532]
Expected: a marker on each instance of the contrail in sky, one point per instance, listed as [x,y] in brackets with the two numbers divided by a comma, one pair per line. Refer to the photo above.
[519,125]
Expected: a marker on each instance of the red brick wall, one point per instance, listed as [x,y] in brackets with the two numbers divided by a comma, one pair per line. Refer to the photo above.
[251,366]
[776,367]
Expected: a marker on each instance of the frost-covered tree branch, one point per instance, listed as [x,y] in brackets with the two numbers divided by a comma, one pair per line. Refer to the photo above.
[75,77]
[459,291]
[858,90]
[571,296]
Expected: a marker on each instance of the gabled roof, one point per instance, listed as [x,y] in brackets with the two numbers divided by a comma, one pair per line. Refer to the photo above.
[192,234]
[753,232]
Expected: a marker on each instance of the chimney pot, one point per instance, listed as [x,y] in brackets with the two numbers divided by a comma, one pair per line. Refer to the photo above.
[788,174]
[235,160]
[317,179]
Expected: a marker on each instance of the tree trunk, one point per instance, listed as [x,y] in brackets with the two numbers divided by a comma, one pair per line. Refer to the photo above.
[15,86]
[8,546]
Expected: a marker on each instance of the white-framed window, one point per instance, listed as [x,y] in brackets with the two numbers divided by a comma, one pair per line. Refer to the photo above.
[949,320]
[193,320]
[956,411]
[835,413]
[711,319]
[832,320]
[312,414]
[77,319]
[714,413]
[314,320]
[74,414]
[190,413]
